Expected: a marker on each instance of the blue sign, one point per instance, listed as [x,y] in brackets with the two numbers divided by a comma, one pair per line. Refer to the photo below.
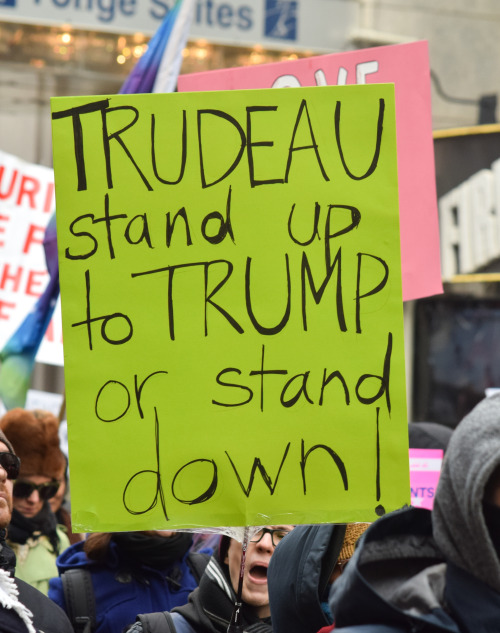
[281,19]
[8,3]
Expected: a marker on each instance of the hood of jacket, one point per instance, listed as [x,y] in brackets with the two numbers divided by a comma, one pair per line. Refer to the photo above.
[458,520]
[72,556]
[298,577]
[396,577]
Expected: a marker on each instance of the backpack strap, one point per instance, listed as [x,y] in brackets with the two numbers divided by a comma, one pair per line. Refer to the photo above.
[79,597]
[160,622]
[197,562]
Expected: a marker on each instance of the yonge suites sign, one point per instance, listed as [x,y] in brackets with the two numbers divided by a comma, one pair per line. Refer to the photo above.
[307,24]
[232,310]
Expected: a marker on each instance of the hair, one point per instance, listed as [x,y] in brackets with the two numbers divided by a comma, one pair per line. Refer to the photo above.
[224,544]
[96,545]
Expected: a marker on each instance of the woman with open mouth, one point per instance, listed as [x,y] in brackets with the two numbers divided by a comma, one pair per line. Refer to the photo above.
[211,605]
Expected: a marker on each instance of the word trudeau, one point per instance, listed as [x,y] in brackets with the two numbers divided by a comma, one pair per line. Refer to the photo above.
[246,137]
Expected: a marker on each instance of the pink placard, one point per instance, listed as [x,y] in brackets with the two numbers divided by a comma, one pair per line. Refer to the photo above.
[407,66]
[425,468]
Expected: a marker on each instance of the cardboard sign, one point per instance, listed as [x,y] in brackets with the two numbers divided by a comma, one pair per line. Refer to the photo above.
[232,312]
[425,468]
[26,205]
[407,66]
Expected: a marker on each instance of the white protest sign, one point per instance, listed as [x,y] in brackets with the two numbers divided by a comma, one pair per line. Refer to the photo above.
[26,205]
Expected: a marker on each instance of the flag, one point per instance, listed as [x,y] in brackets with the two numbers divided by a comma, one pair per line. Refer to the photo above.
[157,70]
[18,355]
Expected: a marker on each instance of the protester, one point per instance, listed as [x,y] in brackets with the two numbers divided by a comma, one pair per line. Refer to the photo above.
[23,609]
[301,572]
[439,570]
[211,605]
[34,533]
[125,573]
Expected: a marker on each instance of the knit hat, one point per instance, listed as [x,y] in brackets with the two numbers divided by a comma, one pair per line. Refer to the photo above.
[352,533]
[35,440]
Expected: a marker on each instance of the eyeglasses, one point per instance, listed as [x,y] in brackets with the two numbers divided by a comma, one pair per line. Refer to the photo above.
[276,535]
[11,464]
[24,489]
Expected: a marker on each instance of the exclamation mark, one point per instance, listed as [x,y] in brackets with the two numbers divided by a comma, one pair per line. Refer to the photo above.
[379,510]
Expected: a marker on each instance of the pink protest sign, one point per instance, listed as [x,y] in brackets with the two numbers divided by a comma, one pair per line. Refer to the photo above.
[407,66]
[425,468]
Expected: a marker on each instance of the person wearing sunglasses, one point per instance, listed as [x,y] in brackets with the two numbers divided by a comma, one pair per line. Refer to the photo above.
[23,609]
[34,533]
[211,606]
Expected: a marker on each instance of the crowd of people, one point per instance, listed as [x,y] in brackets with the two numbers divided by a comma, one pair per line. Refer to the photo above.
[411,570]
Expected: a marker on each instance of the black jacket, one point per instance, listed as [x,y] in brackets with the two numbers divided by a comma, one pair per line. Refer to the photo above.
[47,616]
[208,610]
[298,577]
[398,581]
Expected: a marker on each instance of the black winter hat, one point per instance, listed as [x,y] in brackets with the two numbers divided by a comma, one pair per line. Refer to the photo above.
[429,435]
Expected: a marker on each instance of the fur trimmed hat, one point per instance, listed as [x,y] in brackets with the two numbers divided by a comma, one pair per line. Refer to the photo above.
[34,436]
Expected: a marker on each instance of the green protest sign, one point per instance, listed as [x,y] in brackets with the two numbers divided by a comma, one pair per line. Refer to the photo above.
[232,312]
